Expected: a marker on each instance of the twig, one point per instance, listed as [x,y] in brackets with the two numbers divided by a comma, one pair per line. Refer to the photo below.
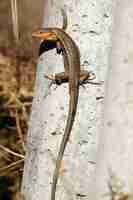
[19,130]
[11,166]
[10,151]
[17,106]
[13,98]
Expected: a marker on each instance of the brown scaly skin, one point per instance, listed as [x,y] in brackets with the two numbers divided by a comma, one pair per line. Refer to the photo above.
[73,75]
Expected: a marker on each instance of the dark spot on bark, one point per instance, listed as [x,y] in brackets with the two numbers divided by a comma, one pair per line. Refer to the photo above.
[76,25]
[99,98]
[84,141]
[93,32]
[81,195]
[125,60]
[91,162]
[109,123]
[93,4]
[84,32]
[51,114]
[74,30]
[89,133]
[84,16]
[54,133]
[106,15]
[62,108]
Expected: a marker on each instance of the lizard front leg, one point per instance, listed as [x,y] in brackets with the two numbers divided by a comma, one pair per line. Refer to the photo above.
[63,77]
[58,78]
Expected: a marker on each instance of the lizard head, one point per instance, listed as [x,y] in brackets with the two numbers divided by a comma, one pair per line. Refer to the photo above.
[49,40]
[45,34]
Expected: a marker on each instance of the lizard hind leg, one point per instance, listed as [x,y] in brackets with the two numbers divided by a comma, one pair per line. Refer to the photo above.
[86,76]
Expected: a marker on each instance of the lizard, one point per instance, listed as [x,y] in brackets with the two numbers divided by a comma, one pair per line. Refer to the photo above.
[73,75]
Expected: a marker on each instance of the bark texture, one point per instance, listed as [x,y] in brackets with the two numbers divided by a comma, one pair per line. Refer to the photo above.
[114,174]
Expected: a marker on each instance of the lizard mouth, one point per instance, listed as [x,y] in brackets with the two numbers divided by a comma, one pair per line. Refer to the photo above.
[45,35]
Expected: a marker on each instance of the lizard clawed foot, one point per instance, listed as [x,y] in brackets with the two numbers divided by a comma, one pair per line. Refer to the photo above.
[50,77]
[92,75]
[86,77]
[81,84]
[94,83]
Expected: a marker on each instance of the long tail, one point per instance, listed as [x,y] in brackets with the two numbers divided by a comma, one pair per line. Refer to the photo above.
[70,120]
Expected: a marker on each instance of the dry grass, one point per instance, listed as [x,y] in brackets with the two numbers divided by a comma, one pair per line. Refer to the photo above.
[17,74]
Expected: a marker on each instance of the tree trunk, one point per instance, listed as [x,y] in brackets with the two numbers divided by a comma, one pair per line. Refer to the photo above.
[89,25]
[114,169]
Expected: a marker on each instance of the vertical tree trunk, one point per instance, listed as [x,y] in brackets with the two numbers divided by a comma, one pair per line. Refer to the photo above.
[89,25]
[114,167]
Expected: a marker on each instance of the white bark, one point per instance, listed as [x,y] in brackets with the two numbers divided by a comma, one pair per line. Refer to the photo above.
[115,161]
[89,25]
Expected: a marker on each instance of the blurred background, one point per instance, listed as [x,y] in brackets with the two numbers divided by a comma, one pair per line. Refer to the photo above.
[18,57]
